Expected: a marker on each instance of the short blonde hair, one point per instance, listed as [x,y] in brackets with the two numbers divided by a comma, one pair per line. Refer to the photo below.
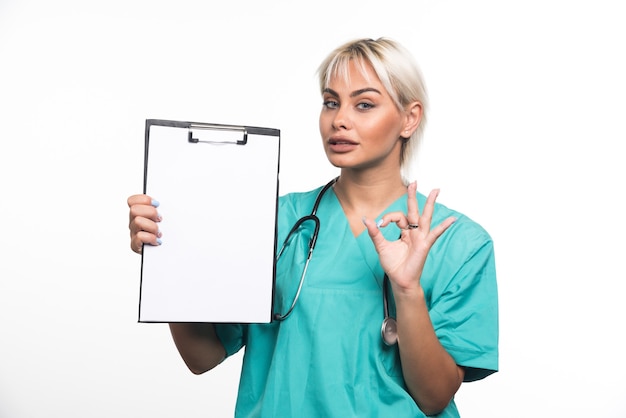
[397,70]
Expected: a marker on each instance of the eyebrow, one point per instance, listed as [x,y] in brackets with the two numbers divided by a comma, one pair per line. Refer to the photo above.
[354,93]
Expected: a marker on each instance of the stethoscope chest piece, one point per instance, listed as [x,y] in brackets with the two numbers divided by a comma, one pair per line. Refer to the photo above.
[389,331]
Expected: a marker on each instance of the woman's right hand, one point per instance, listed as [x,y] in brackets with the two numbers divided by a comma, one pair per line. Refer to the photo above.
[144,219]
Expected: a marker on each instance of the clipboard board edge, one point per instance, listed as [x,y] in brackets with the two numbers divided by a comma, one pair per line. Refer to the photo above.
[255,130]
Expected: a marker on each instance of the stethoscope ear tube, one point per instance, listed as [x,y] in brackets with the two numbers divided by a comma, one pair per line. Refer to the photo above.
[312,217]
[316,221]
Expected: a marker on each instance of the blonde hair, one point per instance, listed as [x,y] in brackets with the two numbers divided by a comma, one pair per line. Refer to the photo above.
[397,70]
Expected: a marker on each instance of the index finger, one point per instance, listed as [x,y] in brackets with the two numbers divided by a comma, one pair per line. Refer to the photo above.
[141,199]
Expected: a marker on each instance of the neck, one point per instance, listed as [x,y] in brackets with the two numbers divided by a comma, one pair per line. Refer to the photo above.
[368,191]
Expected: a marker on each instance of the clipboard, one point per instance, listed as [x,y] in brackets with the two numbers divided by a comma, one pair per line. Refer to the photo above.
[218,191]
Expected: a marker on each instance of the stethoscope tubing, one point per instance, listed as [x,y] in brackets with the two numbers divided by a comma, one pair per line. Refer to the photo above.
[389,329]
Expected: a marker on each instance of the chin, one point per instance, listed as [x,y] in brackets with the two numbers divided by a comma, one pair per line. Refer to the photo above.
[339,163]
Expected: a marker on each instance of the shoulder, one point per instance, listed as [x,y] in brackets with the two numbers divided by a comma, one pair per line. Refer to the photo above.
[464,237]
[463,225]
[297,202]
[293,206]
[298,198]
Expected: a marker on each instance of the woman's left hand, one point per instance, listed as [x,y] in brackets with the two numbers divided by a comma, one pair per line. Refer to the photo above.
[403,260]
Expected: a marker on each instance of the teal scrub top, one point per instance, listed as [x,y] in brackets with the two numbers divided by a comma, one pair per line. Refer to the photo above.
[327,359]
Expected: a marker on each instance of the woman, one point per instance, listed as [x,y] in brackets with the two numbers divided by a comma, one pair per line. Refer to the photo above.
[324,355]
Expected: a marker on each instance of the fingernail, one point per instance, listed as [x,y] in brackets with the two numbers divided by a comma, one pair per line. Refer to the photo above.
[159,217]
[379,223]
[155,203]
[159,242]
[159,234]
[363,220]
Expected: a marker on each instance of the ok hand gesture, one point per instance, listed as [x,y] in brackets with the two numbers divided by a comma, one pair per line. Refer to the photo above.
[403,260]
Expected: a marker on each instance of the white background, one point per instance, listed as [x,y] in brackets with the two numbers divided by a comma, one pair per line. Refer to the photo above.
[525,135]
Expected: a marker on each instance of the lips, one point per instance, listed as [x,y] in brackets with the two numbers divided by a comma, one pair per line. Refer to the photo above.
[341,141]
[341,145]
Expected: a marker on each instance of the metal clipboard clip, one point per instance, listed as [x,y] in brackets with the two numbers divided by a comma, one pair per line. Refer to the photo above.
[228,134]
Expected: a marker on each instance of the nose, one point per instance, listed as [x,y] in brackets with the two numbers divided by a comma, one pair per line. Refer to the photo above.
[341,119]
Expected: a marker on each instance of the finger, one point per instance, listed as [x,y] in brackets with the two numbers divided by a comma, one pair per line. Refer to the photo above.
[145,211]
[141,199]
[429,208]
[413,215]
[143,238]
[136,244]
[141,223]
[398,218]
[374,232]
[436,232]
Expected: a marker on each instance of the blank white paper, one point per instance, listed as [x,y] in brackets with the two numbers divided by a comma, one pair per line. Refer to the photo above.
[218,203]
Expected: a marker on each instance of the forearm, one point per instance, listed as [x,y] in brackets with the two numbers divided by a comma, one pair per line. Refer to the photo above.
[431,374]
[198,345]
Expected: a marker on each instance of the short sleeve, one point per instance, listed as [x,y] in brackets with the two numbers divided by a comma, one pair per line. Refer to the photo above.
[232,336]
[464,300]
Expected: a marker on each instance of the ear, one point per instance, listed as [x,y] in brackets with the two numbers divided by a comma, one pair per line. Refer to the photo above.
[413,118]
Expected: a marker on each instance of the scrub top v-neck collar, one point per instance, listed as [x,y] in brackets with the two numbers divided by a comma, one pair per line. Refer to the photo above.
[390,232]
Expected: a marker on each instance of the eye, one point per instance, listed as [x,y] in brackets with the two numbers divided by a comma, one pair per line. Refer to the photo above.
[331,104]
[364,106]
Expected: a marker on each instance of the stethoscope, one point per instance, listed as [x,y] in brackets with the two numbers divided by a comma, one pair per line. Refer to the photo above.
[389,328]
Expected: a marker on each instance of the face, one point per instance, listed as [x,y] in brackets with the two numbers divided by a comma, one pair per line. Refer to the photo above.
[359,122]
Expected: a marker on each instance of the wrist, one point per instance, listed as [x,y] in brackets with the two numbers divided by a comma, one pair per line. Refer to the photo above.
[412,294]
